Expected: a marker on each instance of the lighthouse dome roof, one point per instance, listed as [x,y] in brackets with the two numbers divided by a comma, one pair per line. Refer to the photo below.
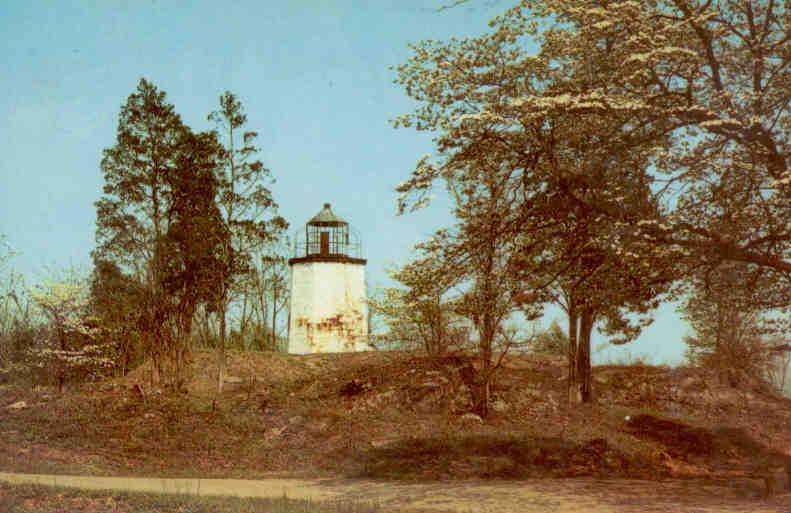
[326,217]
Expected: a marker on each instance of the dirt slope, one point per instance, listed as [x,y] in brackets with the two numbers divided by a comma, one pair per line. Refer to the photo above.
[399,415]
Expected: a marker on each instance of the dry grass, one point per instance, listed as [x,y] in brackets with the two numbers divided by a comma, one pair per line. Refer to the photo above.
[40,499]
[395,415]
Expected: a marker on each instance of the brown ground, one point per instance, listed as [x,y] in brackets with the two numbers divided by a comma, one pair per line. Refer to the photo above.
[400,416]
[571,495]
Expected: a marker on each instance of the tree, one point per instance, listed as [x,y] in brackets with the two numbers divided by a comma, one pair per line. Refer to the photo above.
[476,258]
[157,221]
[480,252]
[573,189]
[264,295]
[275,269]
[195,268]
[18,331]
[70,345]
[603,284]
[117,301]
[416,314]
[246,205]
[552,341]
[132,217]
[730,330]
[711,79]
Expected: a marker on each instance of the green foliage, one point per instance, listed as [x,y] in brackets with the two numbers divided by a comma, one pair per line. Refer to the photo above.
[132,215]
[249,213]
[19,326]
[547,199]
[245,202]
[552,341]
[416,321]
[193,265]
[118,304]
[159,225]
[70,350]
[730,329]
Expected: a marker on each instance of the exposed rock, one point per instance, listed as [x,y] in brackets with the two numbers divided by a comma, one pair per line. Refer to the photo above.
[233,380]
[471,419]
[424,390]
[149,415]
[19,405]
[377,444]
[500,406]
[380,399]
[318,428]
[688,382]
[275,432]
[296,420]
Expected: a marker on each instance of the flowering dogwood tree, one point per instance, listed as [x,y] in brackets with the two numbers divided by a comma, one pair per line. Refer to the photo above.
[70,346]
[642,140]
[713,80]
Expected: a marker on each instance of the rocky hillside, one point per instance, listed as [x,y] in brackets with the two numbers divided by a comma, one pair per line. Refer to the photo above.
[400,415]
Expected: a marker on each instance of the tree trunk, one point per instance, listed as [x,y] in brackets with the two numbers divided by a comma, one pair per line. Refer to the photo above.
[221,352]
[243,324]
[484,378]
[183,347]
[571,389]
[61,365]
[584,356]
[274,314]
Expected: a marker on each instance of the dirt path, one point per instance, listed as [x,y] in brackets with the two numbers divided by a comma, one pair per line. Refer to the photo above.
[536,496]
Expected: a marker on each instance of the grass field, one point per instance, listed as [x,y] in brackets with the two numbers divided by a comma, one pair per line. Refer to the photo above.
[40,499]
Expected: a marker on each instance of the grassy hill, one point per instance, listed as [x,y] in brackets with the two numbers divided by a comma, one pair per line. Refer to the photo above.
[398,415]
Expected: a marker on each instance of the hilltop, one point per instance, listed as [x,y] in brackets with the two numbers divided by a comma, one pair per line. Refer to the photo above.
[401,416]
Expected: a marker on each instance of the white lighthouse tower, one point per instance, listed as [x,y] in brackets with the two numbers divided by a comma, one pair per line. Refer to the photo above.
[329,313]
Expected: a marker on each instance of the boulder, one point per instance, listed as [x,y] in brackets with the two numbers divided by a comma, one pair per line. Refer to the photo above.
[385,442]
[19,405]
[500,406]
[275,432]
[471,419]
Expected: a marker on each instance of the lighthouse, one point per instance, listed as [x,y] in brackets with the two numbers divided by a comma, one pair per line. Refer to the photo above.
[329,313]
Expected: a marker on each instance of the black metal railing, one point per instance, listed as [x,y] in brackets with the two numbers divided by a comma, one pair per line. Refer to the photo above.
[327,241]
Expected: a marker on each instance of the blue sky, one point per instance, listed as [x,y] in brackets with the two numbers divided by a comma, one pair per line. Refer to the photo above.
[312,76]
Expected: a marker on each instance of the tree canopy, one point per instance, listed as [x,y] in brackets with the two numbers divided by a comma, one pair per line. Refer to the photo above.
[640,142]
